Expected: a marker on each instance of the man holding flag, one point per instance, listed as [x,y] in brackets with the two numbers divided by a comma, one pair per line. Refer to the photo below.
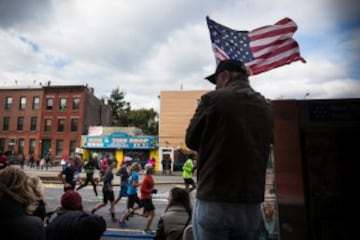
[231,130]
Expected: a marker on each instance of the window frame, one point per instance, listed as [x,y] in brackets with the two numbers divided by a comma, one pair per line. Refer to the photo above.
[60,125]
[6,123]
[49,107]
[36,103]
[20,123]
[76,103]
[32,125]
[8,103]
[74,125]
[59,147]
[22,103]
[47,127]
[63,107]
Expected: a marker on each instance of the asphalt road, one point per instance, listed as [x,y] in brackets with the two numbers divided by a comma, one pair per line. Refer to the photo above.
[135,224]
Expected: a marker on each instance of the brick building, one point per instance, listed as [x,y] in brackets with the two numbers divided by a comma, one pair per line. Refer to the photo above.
[35,119]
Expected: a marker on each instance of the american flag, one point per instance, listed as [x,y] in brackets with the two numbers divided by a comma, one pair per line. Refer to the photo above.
[261,49]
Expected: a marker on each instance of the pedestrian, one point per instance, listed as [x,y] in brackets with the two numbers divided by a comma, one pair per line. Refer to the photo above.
[147,188]
[177,216]
[64,161]
[188,170]
[21,158]
[152,162]
[104,165]
[67,176]
[90,167]
[38,190]
[133,197]
[123,173]
[4,160]
[31,162]
[108,191]
[72,223]
[231,130]
[17,203]
[48,159]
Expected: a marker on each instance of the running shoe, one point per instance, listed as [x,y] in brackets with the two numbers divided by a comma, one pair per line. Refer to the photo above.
[122,224]
[148,231]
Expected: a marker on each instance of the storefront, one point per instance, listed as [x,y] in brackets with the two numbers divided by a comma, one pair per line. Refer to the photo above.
[119,144]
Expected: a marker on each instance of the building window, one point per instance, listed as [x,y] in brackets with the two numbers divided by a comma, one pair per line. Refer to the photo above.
[33,122]
[22,103]
[76,104]
[74,124]
[72,147]
[49,103]
[61,125]
[36,103]
[62,106]
[20,123]
[59,147]
[32,146]
[8,103]
[6,123]
[2,145]
[21,145]
[47,127]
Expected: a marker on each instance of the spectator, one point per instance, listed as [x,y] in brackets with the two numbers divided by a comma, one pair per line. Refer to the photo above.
[231,130]
[72,223]
[37,188]
[177,216]
[17,203]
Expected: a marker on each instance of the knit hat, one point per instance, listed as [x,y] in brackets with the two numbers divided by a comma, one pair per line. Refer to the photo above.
[71,200]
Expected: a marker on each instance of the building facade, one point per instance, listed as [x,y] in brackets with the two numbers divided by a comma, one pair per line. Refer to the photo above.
[36,119]
[176,110]
[120,142]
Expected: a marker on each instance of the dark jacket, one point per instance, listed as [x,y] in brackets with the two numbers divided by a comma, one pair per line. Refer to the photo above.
[232,131]
[16,224]
[75,225]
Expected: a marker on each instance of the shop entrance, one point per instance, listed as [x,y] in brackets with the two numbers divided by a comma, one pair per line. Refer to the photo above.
[140,156]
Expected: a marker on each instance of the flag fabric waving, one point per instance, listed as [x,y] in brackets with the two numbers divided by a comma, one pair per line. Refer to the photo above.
[261,49]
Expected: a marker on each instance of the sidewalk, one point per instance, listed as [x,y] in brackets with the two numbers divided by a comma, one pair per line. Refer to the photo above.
[51,176]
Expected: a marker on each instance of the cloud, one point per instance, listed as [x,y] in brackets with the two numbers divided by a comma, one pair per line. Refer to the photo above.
[144,47]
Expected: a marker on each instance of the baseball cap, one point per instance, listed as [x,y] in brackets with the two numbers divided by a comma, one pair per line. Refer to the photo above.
[227,65]
[71,200]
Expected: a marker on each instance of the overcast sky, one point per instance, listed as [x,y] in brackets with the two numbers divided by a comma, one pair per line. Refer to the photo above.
[148,46]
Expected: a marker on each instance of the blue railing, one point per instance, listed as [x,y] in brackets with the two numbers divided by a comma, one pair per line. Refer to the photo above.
[123,235]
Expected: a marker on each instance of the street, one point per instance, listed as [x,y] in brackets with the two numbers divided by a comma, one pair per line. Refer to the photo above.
[54,191]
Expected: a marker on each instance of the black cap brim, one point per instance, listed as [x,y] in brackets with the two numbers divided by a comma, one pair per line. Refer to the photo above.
[212,78]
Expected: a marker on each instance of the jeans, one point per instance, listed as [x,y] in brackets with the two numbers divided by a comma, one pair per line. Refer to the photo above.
[221,220]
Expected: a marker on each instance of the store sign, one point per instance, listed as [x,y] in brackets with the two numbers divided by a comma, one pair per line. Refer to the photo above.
[121,141]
